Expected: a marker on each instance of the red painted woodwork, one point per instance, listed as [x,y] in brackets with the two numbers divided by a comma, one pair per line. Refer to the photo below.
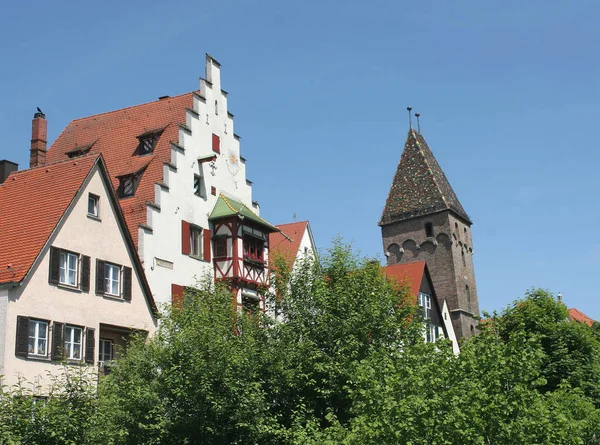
[206,244]
[216,143]
[185,237]
[177,295]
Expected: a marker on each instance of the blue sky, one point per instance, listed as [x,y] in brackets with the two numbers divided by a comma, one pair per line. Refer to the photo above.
[508,93]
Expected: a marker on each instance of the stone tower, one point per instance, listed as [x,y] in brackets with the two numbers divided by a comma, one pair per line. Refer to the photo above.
[424,220]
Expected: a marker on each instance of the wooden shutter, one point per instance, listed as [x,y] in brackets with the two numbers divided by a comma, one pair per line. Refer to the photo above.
[126,283]
[206,233]
[54,265]
[177,295]
[85,273]
[99,277]
[216,143]
[57,340]
[22,343]
[185,237]
[90,345]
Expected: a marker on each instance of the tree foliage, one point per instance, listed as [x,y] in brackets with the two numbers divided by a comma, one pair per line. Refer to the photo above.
[344,362]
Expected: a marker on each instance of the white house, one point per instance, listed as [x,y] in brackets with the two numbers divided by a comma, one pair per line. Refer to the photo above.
[72,288]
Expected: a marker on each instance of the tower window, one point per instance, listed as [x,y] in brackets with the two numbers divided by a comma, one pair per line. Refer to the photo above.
[468,297]
[462,253]
[428,230]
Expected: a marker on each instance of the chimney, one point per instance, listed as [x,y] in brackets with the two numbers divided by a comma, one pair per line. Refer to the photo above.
[6,168]
[39,127]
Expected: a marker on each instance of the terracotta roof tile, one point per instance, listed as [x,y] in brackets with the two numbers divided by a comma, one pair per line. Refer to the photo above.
[115,135]
[577,315]
[420,186]
[287,242]
[410,274]
[31,204]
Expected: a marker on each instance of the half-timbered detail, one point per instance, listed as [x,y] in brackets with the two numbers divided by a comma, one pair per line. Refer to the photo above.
[241,251]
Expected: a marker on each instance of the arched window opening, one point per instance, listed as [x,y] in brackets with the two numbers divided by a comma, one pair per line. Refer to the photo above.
[429,230]
[468,297]
[462,254]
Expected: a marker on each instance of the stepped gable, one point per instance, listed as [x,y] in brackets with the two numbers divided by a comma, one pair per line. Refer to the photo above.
[287,242]
[420,187]
[115,134]
[32,202]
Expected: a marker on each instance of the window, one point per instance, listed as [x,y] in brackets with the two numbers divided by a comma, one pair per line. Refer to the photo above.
[68,266]
[220,247]
[468,291]
[425,303]
[428,230]
[216,108]
[69,269]
[112,279]
[73,336]
[199,186]
[253,249]
[195,241]
[462,254]
[147,144]
[127,186]
[106,350]
[93,205]
[38,338]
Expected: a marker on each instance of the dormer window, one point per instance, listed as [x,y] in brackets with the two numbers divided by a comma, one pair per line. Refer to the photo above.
[148,142]
[127,186]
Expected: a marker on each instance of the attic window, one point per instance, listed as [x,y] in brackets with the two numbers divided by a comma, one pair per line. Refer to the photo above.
[127,186]
[148,142]
[428,230]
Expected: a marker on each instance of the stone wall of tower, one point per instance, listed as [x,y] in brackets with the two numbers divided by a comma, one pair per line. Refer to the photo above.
[448,252]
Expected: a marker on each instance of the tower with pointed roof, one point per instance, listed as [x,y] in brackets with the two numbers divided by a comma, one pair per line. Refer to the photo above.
[424,220]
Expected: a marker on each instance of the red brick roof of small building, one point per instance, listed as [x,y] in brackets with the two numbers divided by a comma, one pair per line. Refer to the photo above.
[287,242]
[410,274]
[32,202]
[115,135]
[577,315]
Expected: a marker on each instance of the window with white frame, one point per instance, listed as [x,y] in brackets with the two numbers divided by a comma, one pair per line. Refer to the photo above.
[425,303]
[93,209]
[73,336]
[68,267]
[38,338]
[112,279]
[105,353]
[195,241]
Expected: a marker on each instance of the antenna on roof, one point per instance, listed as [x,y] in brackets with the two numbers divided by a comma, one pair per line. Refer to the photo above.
[418,122]
[409,117]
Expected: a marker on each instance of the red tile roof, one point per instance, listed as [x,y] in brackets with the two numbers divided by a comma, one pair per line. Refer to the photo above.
[31,204]
[287,242]
[577,315]
[410,274]
[115,135]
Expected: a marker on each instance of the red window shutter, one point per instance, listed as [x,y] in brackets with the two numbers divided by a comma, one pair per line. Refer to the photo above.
[185,237]
[206,233]
[216,143]
[177,295]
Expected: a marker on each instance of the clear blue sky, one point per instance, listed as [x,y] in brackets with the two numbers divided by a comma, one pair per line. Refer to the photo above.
[508,92]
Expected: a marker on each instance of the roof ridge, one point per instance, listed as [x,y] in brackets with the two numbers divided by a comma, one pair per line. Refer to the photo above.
[429,168]
[132,106]
[63,161]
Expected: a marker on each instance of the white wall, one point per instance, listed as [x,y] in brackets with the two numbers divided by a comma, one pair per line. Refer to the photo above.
[179,201]
[37,298]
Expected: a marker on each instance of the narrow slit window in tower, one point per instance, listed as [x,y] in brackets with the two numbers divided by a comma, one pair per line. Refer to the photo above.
[428,230]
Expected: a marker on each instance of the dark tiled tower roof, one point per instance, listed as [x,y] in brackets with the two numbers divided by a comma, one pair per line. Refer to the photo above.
[420,186]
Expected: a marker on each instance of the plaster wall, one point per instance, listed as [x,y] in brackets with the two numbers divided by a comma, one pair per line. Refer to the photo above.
[36,298]
[160,247]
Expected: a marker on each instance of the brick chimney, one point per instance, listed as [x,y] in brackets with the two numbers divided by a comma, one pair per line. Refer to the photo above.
[39,127]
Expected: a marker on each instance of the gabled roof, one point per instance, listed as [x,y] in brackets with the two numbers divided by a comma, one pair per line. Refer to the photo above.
[420,187]
[32,202]
[577,315]
[116,135]
[32,205]
[286,243]
[226,207]
[408,274]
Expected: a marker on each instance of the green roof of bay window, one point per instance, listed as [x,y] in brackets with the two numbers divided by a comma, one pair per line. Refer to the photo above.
[227,207]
